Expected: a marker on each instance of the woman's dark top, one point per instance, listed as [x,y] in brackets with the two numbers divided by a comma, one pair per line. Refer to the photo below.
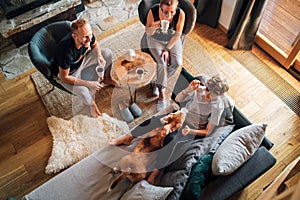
[172,27]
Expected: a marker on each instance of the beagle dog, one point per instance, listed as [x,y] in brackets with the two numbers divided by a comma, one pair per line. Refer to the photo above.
[134,166]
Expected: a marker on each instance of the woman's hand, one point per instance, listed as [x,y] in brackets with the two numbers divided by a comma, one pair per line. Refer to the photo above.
[156,25]
[186,130]
[95,85]
[151,29]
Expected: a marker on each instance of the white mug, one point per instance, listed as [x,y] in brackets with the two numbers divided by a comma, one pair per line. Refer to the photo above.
[164,25]
[100,71]
[202,88]
[200,93]
[140,73]
[130,55]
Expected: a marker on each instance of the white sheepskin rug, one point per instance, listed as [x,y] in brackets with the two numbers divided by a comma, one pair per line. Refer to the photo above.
[78,137]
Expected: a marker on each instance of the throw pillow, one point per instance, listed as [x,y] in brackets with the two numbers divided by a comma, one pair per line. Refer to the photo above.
[177,180]
[237,149]
[188,153]
[197,178]
[144,190]
[78,137]
[219,135]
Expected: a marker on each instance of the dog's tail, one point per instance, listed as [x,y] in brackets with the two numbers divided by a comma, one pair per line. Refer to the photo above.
[117,180]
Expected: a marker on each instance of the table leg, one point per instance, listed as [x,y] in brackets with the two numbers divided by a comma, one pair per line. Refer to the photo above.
[132,95]
[134,99]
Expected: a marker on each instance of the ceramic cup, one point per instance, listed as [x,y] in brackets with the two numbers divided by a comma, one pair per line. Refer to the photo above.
[200,93]
[140,73]
[130,55]
[164,25]
[100,72]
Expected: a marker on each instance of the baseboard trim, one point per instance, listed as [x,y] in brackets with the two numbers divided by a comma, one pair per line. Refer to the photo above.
[222,28]
[294,73]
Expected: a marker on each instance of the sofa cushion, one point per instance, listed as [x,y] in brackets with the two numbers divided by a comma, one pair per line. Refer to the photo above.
[177,180]
[237,149]
[144,190]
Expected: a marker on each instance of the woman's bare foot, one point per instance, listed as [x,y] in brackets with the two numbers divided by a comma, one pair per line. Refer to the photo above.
[123,139]
[95,112]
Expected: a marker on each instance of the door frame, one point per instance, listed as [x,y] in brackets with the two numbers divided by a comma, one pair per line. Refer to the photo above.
[286,60]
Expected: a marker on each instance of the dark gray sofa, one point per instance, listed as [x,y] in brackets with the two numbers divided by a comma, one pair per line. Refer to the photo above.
[223,187]
[89,178]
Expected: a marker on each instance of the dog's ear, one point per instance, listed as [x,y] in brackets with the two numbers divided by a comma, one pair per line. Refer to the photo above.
[116,181]
[174,127]
[163,133]
[178,125]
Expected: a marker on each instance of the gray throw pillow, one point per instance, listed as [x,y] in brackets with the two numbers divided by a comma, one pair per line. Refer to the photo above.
[145,191]
[238,147]
[177,180]
[219,135]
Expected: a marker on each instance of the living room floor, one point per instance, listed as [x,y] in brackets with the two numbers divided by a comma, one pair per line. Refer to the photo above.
[25,141]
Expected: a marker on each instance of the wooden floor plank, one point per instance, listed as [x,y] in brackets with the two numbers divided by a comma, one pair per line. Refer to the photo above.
[291,6]
[12,176]
[7,149]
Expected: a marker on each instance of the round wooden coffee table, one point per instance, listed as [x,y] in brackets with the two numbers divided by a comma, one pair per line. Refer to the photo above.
[126,71]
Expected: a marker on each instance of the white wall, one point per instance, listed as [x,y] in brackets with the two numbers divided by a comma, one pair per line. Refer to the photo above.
[226,12]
